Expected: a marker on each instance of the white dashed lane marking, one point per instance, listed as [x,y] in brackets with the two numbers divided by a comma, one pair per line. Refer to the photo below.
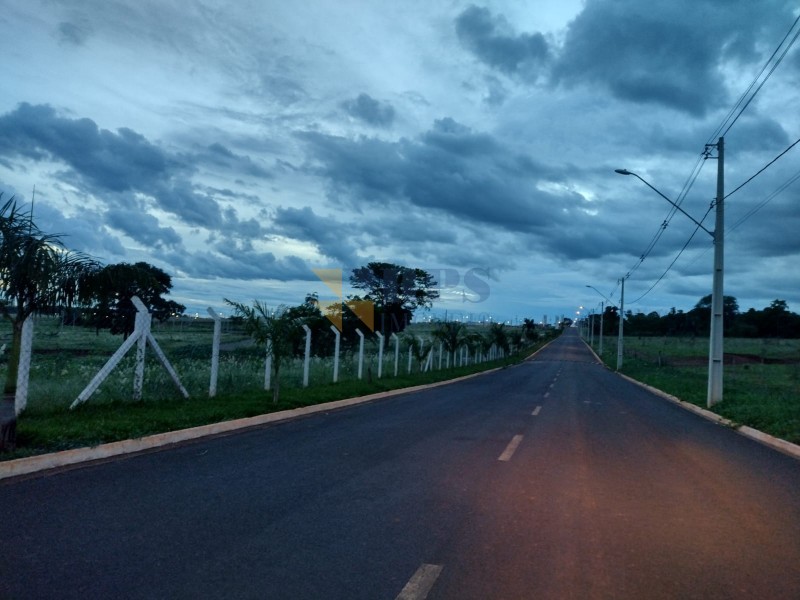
[420,583]
[511,448]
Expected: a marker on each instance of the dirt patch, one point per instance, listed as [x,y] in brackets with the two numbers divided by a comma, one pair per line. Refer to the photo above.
[68,351]
[729,359]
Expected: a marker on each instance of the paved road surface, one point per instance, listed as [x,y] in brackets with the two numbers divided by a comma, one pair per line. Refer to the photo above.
[553,479]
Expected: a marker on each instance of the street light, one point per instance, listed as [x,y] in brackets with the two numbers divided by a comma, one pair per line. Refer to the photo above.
[619,311]
[602,313]
[715,353]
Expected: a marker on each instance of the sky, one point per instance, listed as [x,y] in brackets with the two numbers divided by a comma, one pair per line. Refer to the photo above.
[241,145]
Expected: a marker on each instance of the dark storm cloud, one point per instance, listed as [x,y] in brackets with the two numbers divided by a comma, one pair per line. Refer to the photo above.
[304,224]
[491,40]
[111,161]
[208,265]
[118,165]
[645,53]
[369,110]
[220,155]
[656,53]
[143,228]
[461,174]
[86,231]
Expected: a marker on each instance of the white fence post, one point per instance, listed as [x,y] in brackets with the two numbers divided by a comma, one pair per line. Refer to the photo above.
[441,351]
[380,353]
[141,332]
[336,353]
[212,386]
[268,366]
[360,352]
[429,360]
[307,356]
[396,353]
[24,370]
[143,321]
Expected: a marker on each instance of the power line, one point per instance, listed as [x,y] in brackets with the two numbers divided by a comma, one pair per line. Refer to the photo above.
[688,184]
[741,100]
[686,245]
[764,202]
[741,105]
[752,211]
[764,168]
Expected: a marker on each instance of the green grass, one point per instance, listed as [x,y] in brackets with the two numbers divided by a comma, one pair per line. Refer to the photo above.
[66,359]
[761,383]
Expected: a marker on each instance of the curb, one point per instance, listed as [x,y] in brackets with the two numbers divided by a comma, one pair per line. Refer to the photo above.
[773,442]
[68,458]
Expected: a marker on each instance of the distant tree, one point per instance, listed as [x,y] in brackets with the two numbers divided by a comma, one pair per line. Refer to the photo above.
[777,321]
[308,313]
[276,330]
[36,272]
[700,315]
[108,292]
[395,291]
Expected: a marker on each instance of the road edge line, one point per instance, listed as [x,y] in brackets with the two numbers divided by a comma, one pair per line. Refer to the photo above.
[68,458]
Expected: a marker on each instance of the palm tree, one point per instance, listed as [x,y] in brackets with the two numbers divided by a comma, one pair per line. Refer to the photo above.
[273,329]
[529,329]
[452,334]
[36,272]
[499,336]
[416,346]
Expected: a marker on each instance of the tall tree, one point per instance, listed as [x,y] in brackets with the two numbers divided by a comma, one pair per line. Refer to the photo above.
[109,291]
[36,273]
[395,291]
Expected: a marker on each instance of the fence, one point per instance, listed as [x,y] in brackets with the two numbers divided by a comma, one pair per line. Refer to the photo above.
[69,365]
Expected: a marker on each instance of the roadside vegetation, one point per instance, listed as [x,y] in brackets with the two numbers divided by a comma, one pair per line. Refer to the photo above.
[65,358]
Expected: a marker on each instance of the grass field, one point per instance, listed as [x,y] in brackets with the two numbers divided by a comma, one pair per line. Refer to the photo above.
[65,359]
[761,377]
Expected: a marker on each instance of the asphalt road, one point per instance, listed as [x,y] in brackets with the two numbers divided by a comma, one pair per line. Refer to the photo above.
[552,479]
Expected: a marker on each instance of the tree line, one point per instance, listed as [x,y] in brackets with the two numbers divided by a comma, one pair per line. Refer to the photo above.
[773,321]
[38,274]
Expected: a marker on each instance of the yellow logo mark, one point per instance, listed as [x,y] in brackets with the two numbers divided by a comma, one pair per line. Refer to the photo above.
[334,309]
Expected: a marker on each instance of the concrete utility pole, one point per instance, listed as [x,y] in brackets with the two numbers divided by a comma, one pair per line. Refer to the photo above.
[621,319]
[602,311]
[715,354]
[715,351]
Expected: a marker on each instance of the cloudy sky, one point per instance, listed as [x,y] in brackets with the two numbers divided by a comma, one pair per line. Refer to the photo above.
[240,145]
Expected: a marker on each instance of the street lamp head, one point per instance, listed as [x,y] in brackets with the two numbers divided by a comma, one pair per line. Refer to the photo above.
[623,171]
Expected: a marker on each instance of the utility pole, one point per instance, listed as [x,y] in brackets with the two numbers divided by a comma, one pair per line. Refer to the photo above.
[621,317]
[715,354]
[602,310]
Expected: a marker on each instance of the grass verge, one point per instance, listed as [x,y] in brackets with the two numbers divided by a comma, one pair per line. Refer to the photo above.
[763,395]
[43,431]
